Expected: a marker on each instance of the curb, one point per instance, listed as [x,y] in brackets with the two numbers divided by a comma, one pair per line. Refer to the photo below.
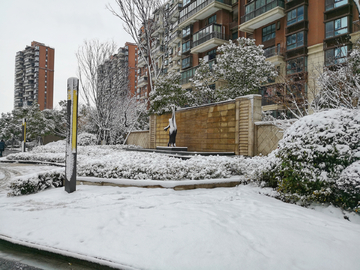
[58,254]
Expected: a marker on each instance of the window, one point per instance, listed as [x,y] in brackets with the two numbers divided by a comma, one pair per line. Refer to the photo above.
[296,65]
[186,46]
[186,2]
[295,15]
[336,56]
[212,19]
[295,41]
[186,31]
[234,35]
[268,32]
[186,75]
[331,4]
[336,27]
[185,63]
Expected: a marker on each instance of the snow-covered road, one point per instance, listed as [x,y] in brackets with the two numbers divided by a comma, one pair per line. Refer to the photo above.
[223,228]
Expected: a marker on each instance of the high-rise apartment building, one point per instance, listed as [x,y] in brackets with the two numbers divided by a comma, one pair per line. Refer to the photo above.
[118,72]
[300,37]
[34,76]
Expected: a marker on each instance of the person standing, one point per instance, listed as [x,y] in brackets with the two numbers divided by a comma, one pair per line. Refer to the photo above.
[2,147]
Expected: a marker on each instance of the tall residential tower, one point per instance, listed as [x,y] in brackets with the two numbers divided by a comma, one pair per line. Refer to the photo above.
[34,76]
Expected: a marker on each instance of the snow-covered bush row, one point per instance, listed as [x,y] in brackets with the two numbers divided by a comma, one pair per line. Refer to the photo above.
[36,182]
[55,152]
[312,159]
[134,165]
[46,157]
[86,139]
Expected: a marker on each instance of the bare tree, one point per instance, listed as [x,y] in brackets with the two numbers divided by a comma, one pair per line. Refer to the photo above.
[104,82]
[139,21]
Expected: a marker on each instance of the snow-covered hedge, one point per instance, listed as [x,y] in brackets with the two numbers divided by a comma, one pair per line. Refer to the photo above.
[36,182]
[134,165]
[312,156]
[86,139]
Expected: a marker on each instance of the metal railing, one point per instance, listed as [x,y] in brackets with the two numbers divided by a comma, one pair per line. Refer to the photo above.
[200,7]
[208,37]
[258,11]
[272,51]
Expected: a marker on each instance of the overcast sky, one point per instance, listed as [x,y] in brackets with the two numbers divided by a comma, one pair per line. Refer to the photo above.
[60,24]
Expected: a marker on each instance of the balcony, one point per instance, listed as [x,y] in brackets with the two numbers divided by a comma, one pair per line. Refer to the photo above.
[202,11]
[143,81]
[177,55]
[175,12]
[175,37]
[142,62]
[158,50]
[275,55]
[208,38]
[159,28]
[174,65]
[258,17]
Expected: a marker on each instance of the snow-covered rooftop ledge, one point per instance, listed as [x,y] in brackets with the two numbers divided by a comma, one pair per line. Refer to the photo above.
[177,185]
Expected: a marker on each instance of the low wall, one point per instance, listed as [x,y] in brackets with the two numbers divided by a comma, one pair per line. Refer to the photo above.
[230,126]
[140,138]
[204,128]
[267,137]
[220,127]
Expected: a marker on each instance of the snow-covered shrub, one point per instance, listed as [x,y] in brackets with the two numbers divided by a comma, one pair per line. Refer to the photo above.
[314,152]
[53,147]
[347,187]
[36,182]
[86,139]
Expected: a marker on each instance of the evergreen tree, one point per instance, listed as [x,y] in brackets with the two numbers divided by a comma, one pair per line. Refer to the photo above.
[167,93]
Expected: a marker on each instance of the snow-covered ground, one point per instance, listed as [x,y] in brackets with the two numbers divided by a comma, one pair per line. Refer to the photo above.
[222,228]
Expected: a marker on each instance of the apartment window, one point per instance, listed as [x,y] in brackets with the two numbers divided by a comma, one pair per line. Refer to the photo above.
[295,41]
[331,4]
[336,27]
[250,8]
[186,62]
[186,31]
[268,32]
[186,2]
[336,56]
[186,46]
[186,75]
[296,65]
[295,15]
[234,35]
[212,19]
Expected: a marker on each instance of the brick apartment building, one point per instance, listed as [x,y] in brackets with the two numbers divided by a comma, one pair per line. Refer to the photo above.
[34,76]
[120,70]
[298,36]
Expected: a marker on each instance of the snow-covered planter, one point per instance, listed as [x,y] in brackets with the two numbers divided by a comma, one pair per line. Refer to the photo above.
[313,154]
[36,182]
[86,139]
